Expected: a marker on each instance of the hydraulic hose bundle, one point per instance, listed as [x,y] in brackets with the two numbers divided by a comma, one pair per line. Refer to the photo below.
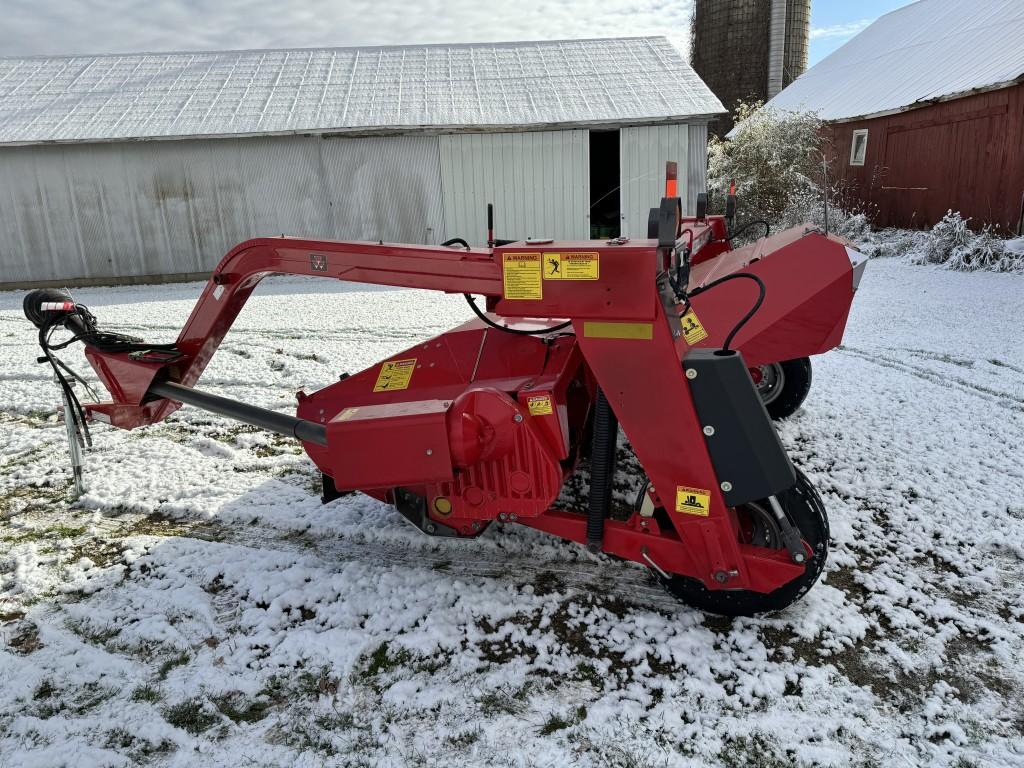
[50,310]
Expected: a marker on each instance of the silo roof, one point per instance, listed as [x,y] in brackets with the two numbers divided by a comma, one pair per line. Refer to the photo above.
[442,87]
[927,51]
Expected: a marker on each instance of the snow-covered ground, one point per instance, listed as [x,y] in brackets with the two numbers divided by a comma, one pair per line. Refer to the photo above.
[200,607]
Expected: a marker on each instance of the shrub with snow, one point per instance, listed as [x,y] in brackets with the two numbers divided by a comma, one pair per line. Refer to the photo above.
[954,245]
[774,157]
[950,244]
[777,161]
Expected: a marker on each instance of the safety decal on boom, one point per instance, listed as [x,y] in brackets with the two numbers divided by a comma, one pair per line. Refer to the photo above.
[693,501]
[395,374]
[693,331]
[572,266]
[539,405]
[521,276]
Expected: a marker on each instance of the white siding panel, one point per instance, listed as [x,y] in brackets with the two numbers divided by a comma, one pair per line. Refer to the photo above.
[539,183]
[164,208]
[697,169]
[384,188]
[643,154]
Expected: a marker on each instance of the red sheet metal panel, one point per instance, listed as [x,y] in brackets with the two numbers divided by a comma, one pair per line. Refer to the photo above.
[963,155]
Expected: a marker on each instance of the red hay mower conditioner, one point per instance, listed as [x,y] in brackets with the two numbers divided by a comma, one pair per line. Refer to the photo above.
[487,421]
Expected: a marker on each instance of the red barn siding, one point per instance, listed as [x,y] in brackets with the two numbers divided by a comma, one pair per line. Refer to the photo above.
[965,155]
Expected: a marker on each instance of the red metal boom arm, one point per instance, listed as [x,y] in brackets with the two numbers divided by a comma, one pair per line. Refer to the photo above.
[128,376]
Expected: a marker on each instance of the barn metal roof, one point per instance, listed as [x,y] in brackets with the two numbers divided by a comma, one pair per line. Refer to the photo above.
[926,51]
[177,95]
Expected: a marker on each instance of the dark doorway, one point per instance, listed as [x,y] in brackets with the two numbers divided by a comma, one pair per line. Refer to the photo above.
[605,214]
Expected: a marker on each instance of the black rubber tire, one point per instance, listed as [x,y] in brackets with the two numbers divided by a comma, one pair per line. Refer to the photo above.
[804,508]
[796,384]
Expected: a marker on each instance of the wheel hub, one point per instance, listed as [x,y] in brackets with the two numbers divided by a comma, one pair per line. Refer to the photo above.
[758,526]
[769,380]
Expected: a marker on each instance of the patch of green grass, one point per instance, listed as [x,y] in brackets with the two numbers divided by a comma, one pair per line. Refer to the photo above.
[464,739]
[588,673]
[382,660]
[146,693]
[341,721]
[44,690]
[118,738]
[157,524]
[191,715]
[505,701]
[236,708]
[175,661]
[301,734]
[285,688]
[554,724]
[124,741]
[757,749]
[91,696]
[557,722]
[318,683]
[95,635]
[35,497]
[69,531]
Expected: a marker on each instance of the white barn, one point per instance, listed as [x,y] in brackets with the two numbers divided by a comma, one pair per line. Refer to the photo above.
[124,168]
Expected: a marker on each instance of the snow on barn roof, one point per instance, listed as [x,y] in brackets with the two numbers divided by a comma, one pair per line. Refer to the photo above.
[927,51]
[232,93]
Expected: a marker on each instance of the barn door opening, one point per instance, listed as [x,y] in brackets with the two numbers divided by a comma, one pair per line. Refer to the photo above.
[605,198]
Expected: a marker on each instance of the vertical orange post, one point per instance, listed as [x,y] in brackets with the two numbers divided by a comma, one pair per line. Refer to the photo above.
[671,179]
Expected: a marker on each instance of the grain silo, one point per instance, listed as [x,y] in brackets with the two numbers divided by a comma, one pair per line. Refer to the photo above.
[749,50]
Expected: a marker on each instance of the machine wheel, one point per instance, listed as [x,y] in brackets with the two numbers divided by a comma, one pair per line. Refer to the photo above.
[804,508]
[783,387]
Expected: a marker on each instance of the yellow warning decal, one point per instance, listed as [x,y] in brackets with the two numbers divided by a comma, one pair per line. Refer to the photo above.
[347,414]
[572,266]
[395,374]
[539,405]
[693,331]
[642,331]
[521,274]
[693,501]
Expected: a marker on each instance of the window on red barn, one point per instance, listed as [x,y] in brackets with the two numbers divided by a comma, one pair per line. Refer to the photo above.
[859,147]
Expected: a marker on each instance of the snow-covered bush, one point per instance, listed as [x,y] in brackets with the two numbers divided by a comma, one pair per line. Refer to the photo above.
[954,245]
[774,157]
[847,216]
[950,243]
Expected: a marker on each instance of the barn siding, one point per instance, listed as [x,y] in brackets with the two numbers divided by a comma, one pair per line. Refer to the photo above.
[538,181]
[642,156]
[155,210]
[964,155]
[89,212]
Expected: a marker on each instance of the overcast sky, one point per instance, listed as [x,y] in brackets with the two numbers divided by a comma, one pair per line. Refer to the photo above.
[59,27]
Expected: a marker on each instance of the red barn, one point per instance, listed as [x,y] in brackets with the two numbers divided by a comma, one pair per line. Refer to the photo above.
[925,112]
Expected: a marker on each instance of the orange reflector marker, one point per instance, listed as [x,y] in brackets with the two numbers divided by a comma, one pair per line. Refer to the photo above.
[732,187]
[671,176]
